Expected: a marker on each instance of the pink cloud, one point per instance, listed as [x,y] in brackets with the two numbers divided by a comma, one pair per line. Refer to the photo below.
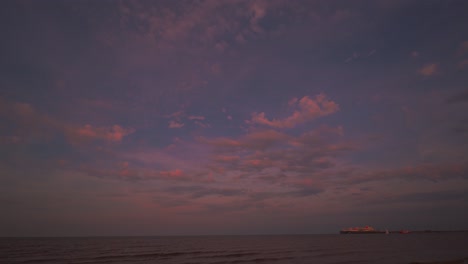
[112,134]
[176,115]
[172,173]
[193,117]
[257,163]
[32,123]
[172,28]
[124,171]
[293,101]
[28,116]
[180,116]
[29,123]
[186,156]
[428,69]
[261,150]
[317,135]
[175,124]
[258,11]
[24,110]
[221,142]
[307,109]
[200,124]
[257,140]
[326,131]
[263,139]
[226,158]
[428,172]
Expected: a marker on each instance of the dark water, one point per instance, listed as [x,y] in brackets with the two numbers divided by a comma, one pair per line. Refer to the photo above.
[393,248]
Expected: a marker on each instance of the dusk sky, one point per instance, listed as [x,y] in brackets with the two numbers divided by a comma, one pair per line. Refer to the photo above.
[232,117]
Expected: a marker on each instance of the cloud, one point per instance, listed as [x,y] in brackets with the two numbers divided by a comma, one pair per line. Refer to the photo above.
[426,172]
[262,150]
[175,124]
[226,158]
[307,109]
[257,140]
[264,139]
[428,69]
[177,115]
[180,154]
[123,171]
[357,55]
[200,124]
[202,23]
[428,197]
[172,174]
[34,124]
[29,123]
[193,117]
[317,135]
[112,134]
[352,57]
[197,121]
[180,116]
[197,191]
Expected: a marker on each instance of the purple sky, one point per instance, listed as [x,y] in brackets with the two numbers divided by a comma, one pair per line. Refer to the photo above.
[232,117]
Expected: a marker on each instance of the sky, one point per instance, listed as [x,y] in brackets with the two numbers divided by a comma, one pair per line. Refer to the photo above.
[232,116]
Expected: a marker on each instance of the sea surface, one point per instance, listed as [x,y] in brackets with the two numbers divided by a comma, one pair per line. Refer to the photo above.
[346,249]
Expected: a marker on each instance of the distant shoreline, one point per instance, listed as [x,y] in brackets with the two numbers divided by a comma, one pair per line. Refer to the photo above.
[435,231]
[456,261]
[225,235]
[405,232]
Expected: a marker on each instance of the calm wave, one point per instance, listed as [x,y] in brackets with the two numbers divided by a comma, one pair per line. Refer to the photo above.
[393,248]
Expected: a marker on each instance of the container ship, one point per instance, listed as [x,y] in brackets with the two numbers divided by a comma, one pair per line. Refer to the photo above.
[361,230]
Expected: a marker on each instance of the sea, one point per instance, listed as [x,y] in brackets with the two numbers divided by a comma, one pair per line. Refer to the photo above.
[277,249]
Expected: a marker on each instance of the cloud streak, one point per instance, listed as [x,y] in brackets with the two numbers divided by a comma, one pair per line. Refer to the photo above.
[429,69]
[33,123]
[308,109]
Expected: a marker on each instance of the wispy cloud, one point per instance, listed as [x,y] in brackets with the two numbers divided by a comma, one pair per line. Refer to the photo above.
[357,55]
[175,124]
[308,109]
[87,132]
[196,117]
[258,151]
[32,123]
[425,172]
[429,69]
